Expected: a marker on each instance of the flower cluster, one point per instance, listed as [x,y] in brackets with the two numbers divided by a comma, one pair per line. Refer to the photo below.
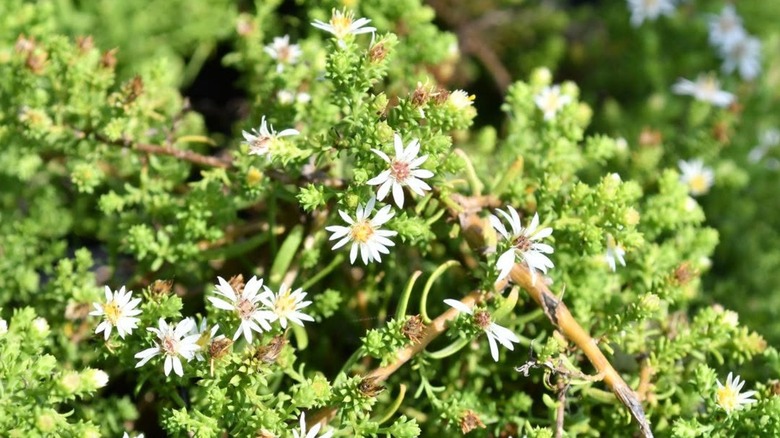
[739,50]
[257,310]
[186,339]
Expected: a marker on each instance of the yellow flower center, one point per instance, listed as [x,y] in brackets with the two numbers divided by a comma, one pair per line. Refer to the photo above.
[204,339]
[699,183]
[361,232]
[727,398]
[284,304]
[341,23]
[112,311]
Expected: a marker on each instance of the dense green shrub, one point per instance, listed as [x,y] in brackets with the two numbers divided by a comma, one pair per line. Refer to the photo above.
[338,262]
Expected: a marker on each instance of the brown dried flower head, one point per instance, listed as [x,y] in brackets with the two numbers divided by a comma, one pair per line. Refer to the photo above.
[85,43]
[370,388]
[161,287]
[24,45]
[377,52]
[36,62]
[420,95]
[237,283]
[470,421]
[413,329]
[219,347]
[108,60]
[269,353]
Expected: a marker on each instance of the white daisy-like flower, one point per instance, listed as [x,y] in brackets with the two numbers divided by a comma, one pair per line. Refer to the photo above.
[3,327]
[98,378]
[205,335]
[311,433]
[614,254]
[524,244]
[403,171]
[642,10]
[495,333]
[550,101]
[696,176]
[173,343]
[743,55]
[261,139]
[768,140]
[247,305]
[706,88]
[283,52]
[140,435]
[726,28]
[364,233]
[286,305]
[729,397]
[40,325]
[119,311]
[460,99]
[343,23]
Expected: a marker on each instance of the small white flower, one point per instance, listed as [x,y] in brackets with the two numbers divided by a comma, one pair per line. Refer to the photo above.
[550,101]
[343,23]
[614,254]
[743,55]
[642,10]
[523,244]
[283,52]
[494,332]
[119,311]
[729,397]
[140,435]
[726,28]
[460,99]
[247,306]
[403,171]
[41,325]
[3,327]
[99,378]
[706,89]
[769,139]
[312,433]
[173,343]
[696,176]
[205,335]
[261,139]
[287,305]
[364,233]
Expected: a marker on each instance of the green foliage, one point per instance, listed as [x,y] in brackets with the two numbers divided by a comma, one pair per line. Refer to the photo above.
[112,180]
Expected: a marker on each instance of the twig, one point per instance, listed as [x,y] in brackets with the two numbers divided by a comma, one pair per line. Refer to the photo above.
[563,387]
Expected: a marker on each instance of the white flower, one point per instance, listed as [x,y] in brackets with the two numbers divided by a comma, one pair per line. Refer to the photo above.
[287,305]
[729,398]
[743,55]
[3,327]
[523,244]
[403,171]
[726,28]
[642,10]
[260,139]
[550,101]
[312,433]
[140,435]
[364,233]
[99,378]
[460,99]
[283,52]
[614,254]
[343,23]
[706,89]
[205,335]
[247,306]
[770,139]
[40,325]
[172,342]
[696,176]
[494,332]
[119,311]
[286,97]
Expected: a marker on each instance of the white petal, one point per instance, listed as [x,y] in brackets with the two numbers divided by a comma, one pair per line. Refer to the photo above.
[458,305]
